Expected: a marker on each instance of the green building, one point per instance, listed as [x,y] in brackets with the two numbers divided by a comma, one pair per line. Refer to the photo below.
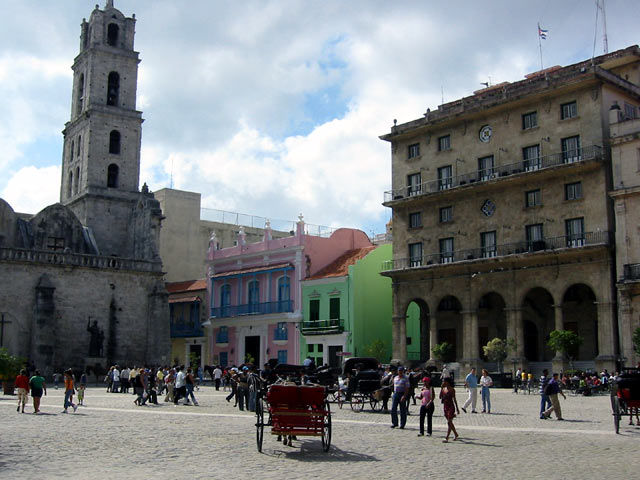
[347,308]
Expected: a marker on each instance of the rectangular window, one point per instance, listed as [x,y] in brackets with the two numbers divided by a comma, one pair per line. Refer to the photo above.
[413,150]
[445,175]
[532,198]
[485,167]
[282,356]
[446,214]
[414,186]
[531,157]
[488,242]
[415,220]
[310,347]
[55,243]
[281,331]
[314,310]
[446,250]
[444,143]
[568,110]
[573,191]
[529,120]
[334,308]
[535,237]
[575,232]
[415,254]
[630,111]
[223,335]
[571,149]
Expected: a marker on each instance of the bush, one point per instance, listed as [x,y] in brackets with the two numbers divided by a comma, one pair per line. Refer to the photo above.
[443,352]
[378,350]
[10,365]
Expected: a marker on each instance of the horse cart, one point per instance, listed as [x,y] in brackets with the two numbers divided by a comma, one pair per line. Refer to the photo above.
[292,409]
[625,395]
[364,383]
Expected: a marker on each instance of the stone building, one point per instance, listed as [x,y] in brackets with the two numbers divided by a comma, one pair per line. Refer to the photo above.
[503,223]
[81,282]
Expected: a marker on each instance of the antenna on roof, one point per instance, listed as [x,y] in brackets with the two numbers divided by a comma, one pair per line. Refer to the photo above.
[605,42]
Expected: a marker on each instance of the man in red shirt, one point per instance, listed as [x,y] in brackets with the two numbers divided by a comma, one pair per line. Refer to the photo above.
[22,384]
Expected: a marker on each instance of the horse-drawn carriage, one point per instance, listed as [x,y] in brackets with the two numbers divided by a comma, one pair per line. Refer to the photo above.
[364,383]
[292,408]
[625,395]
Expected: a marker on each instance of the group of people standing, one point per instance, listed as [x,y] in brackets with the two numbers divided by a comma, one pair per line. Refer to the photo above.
[37,386]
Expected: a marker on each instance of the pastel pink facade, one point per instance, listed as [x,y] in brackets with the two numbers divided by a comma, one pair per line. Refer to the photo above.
[254,294]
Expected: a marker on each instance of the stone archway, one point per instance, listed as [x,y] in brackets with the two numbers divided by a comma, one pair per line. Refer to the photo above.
[418,331]
[580,315]
[538,316]
[492,320]
[449,325]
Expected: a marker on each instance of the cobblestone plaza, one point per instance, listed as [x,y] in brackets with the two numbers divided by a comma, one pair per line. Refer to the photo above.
[111,437]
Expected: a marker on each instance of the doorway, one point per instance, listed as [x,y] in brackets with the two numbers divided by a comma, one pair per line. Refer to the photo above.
[335,360]
[252,349]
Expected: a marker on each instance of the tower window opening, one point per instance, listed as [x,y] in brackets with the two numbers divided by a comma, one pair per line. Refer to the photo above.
[79,145]
[72,150]
[112,34]
[112,176]
[70,184]
[80,93]
[113,88]
[77,180]
[114,142]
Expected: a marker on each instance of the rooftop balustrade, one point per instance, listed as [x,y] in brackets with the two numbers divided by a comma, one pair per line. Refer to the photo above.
[280,306]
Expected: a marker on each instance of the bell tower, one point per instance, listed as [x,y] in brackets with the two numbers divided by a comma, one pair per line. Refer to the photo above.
[101,154]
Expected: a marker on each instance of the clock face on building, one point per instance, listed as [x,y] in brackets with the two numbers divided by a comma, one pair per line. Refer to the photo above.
[488,208]
[485,134]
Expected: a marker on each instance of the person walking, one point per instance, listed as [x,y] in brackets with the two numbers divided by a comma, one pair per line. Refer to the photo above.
[217,375]
[399,399]
[450,407]
[115,387]
[545,401]
[140,388]
[22,384]
[82,385]
[190,384]
[180,389]
[69,391]
[124,379]
[170,382]
[426,406]
[516,380]
[553,389]
[37,384]
[471,383]
[485,383]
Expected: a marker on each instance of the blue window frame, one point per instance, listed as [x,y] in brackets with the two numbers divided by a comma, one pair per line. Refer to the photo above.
[223,335]
[280,333]
[225,299]
[224,359]
[254,296]
[284,293]
[282,356]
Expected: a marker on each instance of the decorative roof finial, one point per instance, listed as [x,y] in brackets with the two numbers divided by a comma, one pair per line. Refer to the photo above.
[109,4]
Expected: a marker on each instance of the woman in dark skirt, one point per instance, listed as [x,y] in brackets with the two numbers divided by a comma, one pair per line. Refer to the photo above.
[450,405]
[36,382]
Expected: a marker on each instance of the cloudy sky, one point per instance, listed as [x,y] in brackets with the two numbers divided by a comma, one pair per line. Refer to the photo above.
[274,108]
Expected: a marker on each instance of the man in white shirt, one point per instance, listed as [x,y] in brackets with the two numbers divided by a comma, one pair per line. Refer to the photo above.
[181,386]
[217,376]
[124,380]
[116,380]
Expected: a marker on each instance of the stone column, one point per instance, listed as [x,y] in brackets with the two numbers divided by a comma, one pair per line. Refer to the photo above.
[471,353]
[625,329]
[515,332]
[399,330]
[558,363]
[606,349]
[433,339]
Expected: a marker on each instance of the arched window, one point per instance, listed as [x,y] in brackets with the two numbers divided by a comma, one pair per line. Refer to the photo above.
[113,88]
[80,93]
[77,180]
[112,34]
[114,142]
[284,294]
[254,296]
[225,299]
[79,146]
[70,184]
[72,150]
[112,176]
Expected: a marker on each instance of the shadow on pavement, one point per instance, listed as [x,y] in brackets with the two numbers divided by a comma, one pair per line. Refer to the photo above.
[473,441]
[309,451]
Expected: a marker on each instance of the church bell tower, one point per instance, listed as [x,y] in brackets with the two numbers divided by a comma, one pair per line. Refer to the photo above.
[101,155]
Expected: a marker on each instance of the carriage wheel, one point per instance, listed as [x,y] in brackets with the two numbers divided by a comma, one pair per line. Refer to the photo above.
[357,403]
[616,413]
[326,428]
[259,423]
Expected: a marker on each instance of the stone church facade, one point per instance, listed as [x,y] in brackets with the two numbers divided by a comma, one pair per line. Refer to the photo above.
[81,282]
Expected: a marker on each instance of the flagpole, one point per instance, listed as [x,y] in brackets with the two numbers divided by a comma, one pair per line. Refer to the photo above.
[540,47]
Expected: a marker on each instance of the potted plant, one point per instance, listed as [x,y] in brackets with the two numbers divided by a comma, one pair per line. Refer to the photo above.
[10,366]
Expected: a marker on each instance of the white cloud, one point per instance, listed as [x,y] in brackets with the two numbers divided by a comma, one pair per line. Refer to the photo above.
[31,189]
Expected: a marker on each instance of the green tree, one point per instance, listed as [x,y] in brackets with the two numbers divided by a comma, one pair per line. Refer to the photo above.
[497,350]
[566,342]
[378,350]
[443,352]
[636,340]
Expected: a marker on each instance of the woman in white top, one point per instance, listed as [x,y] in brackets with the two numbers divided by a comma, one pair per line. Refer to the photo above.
[485,383]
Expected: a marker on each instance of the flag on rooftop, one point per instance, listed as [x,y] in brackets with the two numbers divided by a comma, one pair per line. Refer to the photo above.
[542,33]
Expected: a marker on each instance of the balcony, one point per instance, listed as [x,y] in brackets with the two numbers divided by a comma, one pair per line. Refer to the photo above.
[186,329]
[281,306]
[321,327]
[631,271]
[524,247]
[534,164]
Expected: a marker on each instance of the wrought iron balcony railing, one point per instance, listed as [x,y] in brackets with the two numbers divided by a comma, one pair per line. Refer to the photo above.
[319,327]
[553,243]
[280,306]
[188,329]
[631,271]
[498,171]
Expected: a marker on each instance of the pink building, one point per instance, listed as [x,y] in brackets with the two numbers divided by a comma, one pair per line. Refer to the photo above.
[254,292]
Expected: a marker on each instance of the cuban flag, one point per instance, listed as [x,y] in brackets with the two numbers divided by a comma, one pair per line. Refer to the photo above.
[542,33]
